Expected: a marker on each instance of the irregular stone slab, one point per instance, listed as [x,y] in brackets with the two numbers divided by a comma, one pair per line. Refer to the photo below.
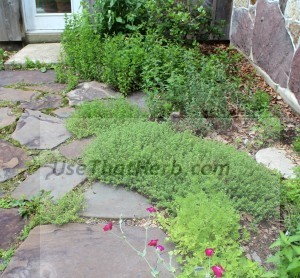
[292,10]
[47,53]
[272,48]
[294,83]
[294,29]
[64,112]
[8,77]
[89,91]
[241,30]
[12,160]
[6,117]
[76,148]
[11,224]
[59,178]
[276,160]
[16,95]
[140,99]
[36,130]
[49,101]
[81,250]
[109,202]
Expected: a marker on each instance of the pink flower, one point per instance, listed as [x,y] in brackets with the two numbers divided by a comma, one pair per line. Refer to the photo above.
[209,252]
[153,242]
[160,248]
[151,209]
[108,227]
[218,270]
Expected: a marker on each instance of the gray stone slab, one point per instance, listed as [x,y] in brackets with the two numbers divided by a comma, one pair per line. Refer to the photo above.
[272,47]
[241,30]
[9,77]
[45,53]
[64,112]
[11,224]
[36,130]
[16,95]
[138,98]
[81,250]
[276,159]
[12,160]
[6,117]
[76,148]
[59,178]
[89,91]
[294,82]
[109,202]
[48,101]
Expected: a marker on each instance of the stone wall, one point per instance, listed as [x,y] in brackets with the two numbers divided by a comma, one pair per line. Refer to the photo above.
[268,33]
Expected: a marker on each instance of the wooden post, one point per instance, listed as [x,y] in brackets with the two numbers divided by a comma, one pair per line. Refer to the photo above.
[11,21]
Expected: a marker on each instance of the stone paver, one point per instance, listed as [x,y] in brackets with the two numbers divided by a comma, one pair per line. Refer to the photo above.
[11,224]
[45,53]
[276,159]
[106,201]
[59,178]
[80,250]
[64,112]
[48,101]
[36,130]
[89,91]
[76,148]
[6,117]
[8,77]
[140,99]
[15,95]
[12,160]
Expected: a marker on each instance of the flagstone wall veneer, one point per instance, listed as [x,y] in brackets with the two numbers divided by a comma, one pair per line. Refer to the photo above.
[268,33]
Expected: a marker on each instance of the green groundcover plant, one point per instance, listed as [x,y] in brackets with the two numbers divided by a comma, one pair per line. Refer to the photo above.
[202,221]
[95,116]
[161,164]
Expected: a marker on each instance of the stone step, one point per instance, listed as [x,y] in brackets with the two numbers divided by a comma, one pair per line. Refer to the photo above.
[59,178]
[47,53]
[81,250]
[110,202]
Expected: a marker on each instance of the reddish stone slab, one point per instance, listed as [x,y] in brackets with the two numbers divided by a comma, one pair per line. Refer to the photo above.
[241,30]
[11,224]
[9,77]
[294,83]
[81,250]
[272,47]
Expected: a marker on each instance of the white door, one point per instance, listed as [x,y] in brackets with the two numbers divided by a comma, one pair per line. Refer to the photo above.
[48,15]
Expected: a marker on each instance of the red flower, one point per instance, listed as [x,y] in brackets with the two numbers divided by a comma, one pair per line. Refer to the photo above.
[209,252]
[151,209]
[108,227]
[153,242]
[218,270]
[160,248]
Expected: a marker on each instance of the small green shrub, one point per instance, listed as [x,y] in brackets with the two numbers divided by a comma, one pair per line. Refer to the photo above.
[82,50]
[154,160]
[290,202]
[97,115]
[204,221]
[119,16]
[5,257]
[296,144]
[259,102]
[269,126]
[123,62]
[287,259]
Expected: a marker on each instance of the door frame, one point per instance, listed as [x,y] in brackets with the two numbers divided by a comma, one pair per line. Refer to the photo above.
[46,22]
